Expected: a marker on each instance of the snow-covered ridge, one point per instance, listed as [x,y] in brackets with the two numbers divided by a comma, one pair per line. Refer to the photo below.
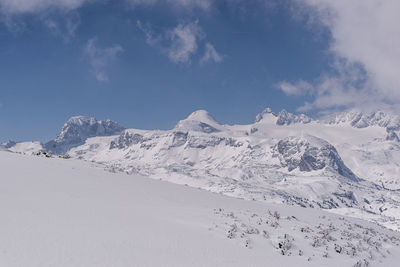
[360,119]
[280,158]
[77,129]
[282,118]
[21,147]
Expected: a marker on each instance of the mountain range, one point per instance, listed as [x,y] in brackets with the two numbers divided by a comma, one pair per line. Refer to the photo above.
[347,163]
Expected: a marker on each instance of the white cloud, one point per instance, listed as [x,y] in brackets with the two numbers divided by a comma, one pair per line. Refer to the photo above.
[12,7]
[64,26]
[62,21]
[99,57]
[178,4]
[347,87]
[180,43]
[366,34]
[183,39]
[141,2]
[151,39]
[299,88]
[202,4]
[210,54]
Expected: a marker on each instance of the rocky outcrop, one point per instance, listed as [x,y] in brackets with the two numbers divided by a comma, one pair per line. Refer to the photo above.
[77,129]
[310,154]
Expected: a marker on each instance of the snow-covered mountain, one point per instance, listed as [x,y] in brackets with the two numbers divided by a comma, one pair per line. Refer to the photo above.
[283,117]
[77,129]
[359,119]
[349,164]
[22,147]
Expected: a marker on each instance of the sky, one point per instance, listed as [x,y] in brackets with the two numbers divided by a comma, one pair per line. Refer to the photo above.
[149,63]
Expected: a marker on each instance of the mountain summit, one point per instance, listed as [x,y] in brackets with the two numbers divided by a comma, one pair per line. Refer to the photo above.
[77,129]
[282,118]
[199,121]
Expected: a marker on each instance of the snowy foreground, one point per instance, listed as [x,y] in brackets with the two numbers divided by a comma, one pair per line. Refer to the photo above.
[67,212]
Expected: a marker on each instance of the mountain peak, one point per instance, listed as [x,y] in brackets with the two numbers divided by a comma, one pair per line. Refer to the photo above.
[282,118]
[264,114]
[286,118]
[199,121]
[201,115]
[80,120]
[77,129]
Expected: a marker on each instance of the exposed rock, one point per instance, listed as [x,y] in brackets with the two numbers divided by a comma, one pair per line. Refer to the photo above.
[392,136]
[126,139]
[263,114]
[310,153]
[77,129]
[286,118]
[282,118]
[9,144]
[360,119]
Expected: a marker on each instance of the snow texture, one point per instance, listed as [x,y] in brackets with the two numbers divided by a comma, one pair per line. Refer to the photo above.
[348,164]
[67,212]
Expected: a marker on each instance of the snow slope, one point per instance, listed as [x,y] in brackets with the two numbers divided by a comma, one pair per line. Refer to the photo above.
[58,212]
[346,164]
[25,147]
[281,158]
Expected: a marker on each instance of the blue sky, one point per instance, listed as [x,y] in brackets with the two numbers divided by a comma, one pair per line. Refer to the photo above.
[150,64]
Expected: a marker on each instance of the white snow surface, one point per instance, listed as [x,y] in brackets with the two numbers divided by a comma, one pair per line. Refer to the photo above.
[26,147]
[345,164]
[68,212]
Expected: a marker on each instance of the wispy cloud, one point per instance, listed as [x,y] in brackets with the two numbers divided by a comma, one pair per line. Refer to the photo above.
[100,57]
[210,54]
[65,26]
[13,7]
[183,41]
[365,35]
[59,16]
[347,87]
[151,38]
[180,43]
[177,4]
[298,88]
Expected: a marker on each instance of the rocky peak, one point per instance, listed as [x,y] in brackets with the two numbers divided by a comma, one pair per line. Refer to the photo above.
[310,153]
[264,114]
[392,136]
[287,118]
[282,118]
[359,119]
[77,129]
